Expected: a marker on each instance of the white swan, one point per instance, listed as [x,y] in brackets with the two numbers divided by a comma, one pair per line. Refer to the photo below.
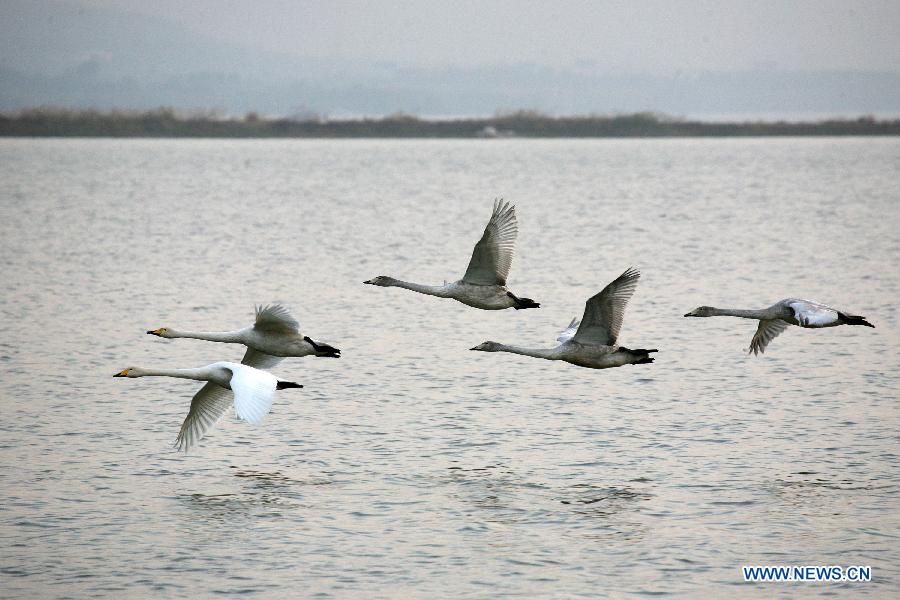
[776,318]
[274,335]
[592,343]
[484,284]
[249,389]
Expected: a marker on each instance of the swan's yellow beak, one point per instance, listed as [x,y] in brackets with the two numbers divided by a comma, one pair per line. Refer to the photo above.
[158,332]
[122,373]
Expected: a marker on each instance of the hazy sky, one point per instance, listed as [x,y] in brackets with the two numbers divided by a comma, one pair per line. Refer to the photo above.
[643,35]
[443,57]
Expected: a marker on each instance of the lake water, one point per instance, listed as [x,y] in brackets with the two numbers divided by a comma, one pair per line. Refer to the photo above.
[412,466]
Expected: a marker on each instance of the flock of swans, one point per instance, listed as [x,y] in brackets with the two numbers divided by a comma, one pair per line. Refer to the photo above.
[590,342]
[274,336]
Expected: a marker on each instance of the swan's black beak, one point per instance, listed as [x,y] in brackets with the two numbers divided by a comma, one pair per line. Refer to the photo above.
[475,348]
[156,332]
[689,315]
[122,373]
[369,282]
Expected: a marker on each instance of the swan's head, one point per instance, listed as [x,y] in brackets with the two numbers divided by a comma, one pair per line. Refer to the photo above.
[382,280]
[130,372]
[703,311]
[163,332]
[487,347]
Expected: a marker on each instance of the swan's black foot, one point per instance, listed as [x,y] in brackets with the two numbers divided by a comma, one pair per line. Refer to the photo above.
[527,303]
[522,303]
[642,354]
[283,385]
[855,320]
[323,350]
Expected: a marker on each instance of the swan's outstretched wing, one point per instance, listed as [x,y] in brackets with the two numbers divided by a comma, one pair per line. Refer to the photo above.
[603,313]
[260,360]
[493,254]
[569,332]
[254,391]
[275,318]
[207,406]
[812,314]
[765,333]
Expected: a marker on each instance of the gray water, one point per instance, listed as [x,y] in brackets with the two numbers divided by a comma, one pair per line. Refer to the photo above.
[411,466]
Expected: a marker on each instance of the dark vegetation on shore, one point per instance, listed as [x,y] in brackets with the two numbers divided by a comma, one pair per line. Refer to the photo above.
[50,122]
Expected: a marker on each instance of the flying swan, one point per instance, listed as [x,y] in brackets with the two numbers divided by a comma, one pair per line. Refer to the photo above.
[249,389]
[274,335]
[776,318]
[592,343]
[484,284]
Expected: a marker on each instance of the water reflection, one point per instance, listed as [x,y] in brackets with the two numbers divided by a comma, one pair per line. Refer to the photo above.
[508,498]
[265,494]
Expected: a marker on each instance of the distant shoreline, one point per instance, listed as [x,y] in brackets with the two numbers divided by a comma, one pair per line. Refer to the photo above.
[166,123]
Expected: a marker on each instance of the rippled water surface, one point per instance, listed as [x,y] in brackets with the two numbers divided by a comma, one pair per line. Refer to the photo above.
[412,466]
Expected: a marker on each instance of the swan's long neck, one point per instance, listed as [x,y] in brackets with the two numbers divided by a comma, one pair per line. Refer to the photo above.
[440,291]
[229,337]
[737,312]
[197,374]
[546,353]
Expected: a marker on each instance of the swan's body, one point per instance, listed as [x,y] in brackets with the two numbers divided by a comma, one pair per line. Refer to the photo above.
[484,284]
[251,390]
[776,318]
[274,335]
[591,342]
